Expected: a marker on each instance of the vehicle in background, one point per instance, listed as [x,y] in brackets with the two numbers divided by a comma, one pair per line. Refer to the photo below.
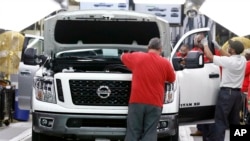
[160,14]
[26,72]
[103,5]
[174,9]
[157,9]
[122,5]
[174,15]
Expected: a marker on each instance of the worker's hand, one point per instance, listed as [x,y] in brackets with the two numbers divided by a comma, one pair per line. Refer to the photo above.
[204,42]
[216,45]
[196,40]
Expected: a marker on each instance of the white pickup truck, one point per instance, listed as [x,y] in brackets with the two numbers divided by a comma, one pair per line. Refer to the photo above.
[82,89]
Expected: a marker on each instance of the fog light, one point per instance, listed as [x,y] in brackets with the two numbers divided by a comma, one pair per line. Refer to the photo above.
[46,122]
[162,124]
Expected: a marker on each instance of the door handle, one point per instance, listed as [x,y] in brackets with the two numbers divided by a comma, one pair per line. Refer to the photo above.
[27,72]
[214,75]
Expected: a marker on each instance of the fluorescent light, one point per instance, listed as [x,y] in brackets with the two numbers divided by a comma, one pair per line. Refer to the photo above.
[159,1]
[104,1]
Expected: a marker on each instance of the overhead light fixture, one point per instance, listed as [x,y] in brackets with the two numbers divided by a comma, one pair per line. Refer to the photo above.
[191,7]
[106,1]
[159,1]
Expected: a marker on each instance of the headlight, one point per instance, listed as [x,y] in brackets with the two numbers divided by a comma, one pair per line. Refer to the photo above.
[44,89]
[169,93]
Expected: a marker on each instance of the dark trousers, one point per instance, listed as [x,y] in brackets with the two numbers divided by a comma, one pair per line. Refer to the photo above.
[244,105]
[142,121]
[227,112]
[204,128]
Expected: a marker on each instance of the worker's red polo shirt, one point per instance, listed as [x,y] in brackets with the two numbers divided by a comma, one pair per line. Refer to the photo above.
[245,85]
[150,72]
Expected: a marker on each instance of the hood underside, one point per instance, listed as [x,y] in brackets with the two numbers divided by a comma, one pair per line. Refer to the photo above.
[105,32]
[84,29]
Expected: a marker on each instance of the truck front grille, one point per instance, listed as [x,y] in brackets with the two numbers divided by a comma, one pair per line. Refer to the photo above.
[100,92]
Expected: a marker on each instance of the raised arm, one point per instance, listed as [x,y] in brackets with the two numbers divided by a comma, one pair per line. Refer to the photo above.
[208,52]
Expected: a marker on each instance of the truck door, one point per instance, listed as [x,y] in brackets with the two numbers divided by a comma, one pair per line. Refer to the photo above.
[198,87]
[26,72]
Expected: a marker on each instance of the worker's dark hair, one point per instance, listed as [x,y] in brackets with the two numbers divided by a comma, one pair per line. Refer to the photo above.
[237,46]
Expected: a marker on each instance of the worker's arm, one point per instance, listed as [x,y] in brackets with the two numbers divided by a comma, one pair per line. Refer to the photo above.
[207,51]
[218,47]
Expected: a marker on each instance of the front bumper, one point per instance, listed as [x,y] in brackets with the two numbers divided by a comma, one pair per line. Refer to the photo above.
[91,126]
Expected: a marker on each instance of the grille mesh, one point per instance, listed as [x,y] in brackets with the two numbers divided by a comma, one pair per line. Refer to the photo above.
[84,92]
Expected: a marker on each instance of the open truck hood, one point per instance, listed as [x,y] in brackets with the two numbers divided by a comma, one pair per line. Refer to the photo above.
[108,28]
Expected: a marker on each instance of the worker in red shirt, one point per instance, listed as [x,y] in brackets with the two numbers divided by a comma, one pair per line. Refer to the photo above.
[245,85]
[247,71]
[183,51]
[150,72]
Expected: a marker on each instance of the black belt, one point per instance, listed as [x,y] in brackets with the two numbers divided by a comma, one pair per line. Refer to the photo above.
[229,88]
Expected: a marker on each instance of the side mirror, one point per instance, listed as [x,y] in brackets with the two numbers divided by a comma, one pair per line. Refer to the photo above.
[194,59]
[30,56]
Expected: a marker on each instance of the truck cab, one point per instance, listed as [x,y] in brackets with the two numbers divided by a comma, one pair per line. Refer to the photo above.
[24,78]
[81,90]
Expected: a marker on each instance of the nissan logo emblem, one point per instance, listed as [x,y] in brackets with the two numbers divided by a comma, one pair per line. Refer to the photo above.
[103,92]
